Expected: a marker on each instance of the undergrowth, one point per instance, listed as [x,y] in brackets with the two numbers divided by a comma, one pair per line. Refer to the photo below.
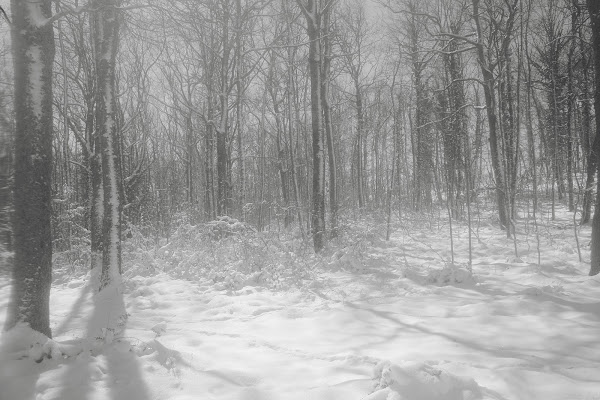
[231,254]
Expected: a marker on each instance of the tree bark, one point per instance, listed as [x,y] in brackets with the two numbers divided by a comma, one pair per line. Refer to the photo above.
[33,52]
[594,9]
[223,159]
[105,27]
[313,20]
[325,77]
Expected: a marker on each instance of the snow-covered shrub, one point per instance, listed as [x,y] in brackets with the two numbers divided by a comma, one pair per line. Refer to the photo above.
[71,241]
[451,275]
[225,226]
[138,253]
[74,261]
[355,247]
[226,252]
[423,381]
[554,289]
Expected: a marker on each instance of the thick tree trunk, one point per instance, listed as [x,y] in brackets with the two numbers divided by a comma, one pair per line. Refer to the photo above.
[33,52]
[5,194]
[586,139]
[594,9]
[313,20]
[96,207]
[105,26]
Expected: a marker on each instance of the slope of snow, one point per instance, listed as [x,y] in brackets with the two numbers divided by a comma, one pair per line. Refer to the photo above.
[391,321]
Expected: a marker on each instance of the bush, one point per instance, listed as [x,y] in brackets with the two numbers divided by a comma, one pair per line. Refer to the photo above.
[225,252]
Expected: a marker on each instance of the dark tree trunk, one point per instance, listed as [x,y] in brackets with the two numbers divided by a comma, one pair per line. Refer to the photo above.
[490,102]
[290,126]
[424,166]
[239,109]
[360,167]
[33,51]
[586,136]
[313,20]
[281,152]
[223,159]
[325,77]
[594,9]
[5,191]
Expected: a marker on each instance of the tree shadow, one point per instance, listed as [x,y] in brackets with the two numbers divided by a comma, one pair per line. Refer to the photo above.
[106,363]
[75,309]
[16,380]
[554,360]
[538,293]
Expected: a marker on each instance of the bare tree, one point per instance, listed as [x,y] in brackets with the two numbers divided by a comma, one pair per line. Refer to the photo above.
[313,11]
[487,31]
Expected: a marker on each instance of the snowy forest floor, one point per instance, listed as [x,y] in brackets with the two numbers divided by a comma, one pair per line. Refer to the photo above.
[373,319]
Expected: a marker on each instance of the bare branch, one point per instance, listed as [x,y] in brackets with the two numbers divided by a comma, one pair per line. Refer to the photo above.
[5,16]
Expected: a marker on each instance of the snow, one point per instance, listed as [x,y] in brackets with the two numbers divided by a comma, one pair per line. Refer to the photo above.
[379,321]
[34,53]
[35,14]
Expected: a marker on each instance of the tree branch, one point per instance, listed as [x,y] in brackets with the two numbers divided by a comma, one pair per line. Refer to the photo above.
[5,15]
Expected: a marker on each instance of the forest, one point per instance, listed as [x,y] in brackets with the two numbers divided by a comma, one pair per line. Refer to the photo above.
[258,142]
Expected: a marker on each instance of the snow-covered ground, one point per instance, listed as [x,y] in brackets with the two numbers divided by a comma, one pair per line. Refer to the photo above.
[380,321]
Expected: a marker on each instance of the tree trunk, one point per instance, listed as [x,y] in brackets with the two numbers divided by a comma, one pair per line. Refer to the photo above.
[594,9]
[5,191]
[325,77]
[360,167]
[33,50]
[290,126]
[105,27]
[223,159]
[586,137]
[490,102]
[313,20]
[423,151]
[239,109]
[281,151]
[96,206]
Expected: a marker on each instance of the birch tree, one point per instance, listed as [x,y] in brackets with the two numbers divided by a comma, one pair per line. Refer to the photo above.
[105,29]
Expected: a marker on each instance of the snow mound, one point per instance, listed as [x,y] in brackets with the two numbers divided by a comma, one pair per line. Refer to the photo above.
[412,381]
[451,275]
[552,289]
[160,328]
[22,342]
